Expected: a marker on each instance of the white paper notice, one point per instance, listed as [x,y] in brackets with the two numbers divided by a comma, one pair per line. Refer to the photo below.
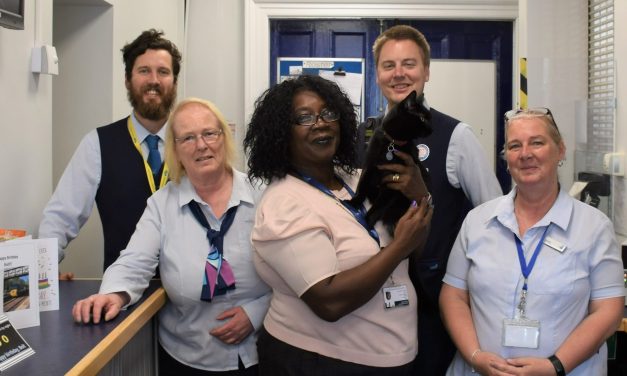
[351,83]
[48,260]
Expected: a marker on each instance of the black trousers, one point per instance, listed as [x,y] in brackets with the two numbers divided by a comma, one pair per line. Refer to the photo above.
[168,366]
[277,358]
[435,347]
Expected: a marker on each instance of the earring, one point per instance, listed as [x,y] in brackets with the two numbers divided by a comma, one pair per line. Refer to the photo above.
[560,163]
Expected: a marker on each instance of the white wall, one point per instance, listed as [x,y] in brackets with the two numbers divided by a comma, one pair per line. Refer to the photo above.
[467,90]
[85,79]
[557,76]
[556,47]
[620,133]
[89,91]
[214,60]
[25,122]
[132,17]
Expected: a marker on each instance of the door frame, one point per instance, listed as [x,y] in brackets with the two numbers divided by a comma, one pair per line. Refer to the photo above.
[257,15]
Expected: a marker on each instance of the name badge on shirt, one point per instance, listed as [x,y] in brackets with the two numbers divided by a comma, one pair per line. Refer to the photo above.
[521,332]
[550,242]
[395,296]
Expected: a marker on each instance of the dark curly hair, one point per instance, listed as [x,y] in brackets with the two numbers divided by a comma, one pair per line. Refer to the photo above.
[153,40]
[270,129]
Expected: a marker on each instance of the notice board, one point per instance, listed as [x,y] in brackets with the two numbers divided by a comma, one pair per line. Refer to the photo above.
[346,72]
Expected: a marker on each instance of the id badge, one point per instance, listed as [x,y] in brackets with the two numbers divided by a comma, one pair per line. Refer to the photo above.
[521,332]
[395,296]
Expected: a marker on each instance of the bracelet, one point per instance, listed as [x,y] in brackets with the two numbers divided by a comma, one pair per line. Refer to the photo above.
[557,364]
[472,360]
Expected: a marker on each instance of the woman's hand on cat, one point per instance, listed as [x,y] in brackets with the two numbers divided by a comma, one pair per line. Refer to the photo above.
[405,178]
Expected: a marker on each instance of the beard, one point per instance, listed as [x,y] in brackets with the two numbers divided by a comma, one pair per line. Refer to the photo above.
[152,110]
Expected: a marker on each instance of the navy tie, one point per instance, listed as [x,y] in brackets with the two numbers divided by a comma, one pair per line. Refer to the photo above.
[154,158]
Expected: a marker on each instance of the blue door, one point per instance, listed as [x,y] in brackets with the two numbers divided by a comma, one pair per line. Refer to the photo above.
[475,40]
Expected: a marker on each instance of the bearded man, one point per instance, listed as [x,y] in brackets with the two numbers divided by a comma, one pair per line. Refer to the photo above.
[118,166]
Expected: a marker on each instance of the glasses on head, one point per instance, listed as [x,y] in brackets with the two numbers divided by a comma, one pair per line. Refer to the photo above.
[207,136]
[310,119]
[537,111]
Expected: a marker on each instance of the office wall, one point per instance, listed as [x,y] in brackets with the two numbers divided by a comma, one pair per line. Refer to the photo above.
[25,122]
[82,100]
[215,58]
[557,76]
[555,45]
[90,92]
[620,133]
[130,18]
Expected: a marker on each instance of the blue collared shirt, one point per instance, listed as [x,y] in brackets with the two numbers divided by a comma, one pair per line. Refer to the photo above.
[561,285]
[73,200]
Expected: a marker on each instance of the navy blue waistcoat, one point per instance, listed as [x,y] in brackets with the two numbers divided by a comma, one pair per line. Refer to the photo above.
[451,207]
[123,190]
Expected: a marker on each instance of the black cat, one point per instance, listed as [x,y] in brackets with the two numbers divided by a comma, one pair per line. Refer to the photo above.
[405,122]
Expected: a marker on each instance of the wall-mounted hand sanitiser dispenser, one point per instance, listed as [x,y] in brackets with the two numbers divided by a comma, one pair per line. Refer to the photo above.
[44,60]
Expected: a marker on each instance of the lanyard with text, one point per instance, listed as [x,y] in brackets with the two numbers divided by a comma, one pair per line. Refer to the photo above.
[149,175]
[526,268]
[358,213]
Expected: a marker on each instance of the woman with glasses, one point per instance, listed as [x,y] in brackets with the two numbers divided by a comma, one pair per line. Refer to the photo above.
[197,231]
[533,284]
[331,274]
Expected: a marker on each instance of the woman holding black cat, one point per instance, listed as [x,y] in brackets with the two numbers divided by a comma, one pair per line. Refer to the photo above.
[341,303]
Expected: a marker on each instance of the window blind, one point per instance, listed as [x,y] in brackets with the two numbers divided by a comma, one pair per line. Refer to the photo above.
[601,88]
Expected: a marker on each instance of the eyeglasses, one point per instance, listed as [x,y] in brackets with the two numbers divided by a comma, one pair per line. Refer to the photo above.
[310,119]
[530,111]
[537,111]
[208,137]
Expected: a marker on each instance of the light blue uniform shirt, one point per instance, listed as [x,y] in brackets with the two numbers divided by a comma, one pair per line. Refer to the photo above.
[484,261]
[168,235]
[73,200]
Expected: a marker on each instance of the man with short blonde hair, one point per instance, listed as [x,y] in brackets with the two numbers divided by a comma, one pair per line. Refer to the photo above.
[460,178]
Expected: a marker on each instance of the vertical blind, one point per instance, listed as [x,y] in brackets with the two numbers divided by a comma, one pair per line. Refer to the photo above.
[601,88]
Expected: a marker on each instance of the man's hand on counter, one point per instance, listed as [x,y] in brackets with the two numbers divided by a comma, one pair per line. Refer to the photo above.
[67,276]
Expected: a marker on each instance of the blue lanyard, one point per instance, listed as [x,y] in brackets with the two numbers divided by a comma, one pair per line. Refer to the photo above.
[358,213]
[524,267]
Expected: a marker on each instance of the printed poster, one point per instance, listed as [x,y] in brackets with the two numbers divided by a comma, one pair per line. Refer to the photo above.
[20,283]
[47,271]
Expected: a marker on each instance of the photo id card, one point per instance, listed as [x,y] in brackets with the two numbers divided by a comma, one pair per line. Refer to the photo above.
[521,332]
[395,296]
